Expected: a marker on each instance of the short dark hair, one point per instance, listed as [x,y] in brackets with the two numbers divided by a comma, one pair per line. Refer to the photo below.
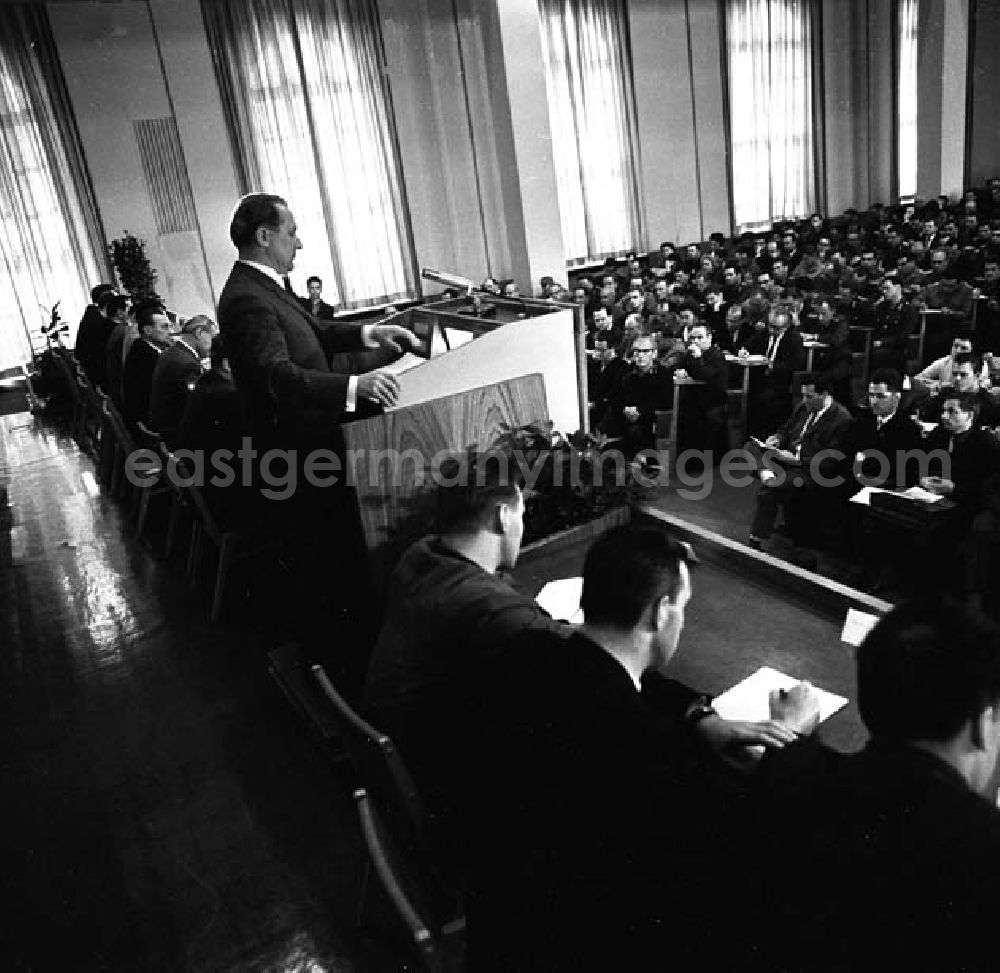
[473,484]
[926,669]
[319,280]
[889,377]
[626,570]
[252,211]
[98,291]
[969,358]
[967,401]
[115,304]
[145,314]
[147,303]
[822,384]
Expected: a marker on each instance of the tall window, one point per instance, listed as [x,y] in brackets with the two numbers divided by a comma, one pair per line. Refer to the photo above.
[770,45]
[592,111]
[907,97]
[49,237]
[310,120]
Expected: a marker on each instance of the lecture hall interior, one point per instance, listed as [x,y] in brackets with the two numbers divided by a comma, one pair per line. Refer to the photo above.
[705,241]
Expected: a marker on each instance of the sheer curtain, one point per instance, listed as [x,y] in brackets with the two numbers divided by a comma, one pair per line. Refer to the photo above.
[310,120]
[51,245]
[592,110]
[907,98]
[770,45]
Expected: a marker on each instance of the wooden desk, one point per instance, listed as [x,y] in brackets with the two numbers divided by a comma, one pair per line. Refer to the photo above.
[741,396]
[810,347]
[733,626]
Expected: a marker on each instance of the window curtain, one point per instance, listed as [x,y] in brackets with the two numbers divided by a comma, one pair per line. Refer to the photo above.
[51,244]
[770,57]
[592,110]
[310,120]
[907,98]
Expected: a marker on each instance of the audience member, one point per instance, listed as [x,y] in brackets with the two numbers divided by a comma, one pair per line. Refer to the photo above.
[800,460]
[645,390]
[313,301]
[176,372]
[702,421]
[595,817]
[92,335]
[137,373]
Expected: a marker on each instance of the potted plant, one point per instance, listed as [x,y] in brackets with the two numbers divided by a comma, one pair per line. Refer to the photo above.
[128,254]
[575,486]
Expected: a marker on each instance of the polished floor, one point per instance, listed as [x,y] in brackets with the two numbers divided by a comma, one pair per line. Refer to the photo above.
[163,808]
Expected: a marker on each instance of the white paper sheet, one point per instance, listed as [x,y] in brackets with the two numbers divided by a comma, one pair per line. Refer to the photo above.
[749,699]
[561,599]
[919,493]
[856,626]
[864,495]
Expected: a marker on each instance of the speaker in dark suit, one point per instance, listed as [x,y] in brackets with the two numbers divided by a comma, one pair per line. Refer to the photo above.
[137,373]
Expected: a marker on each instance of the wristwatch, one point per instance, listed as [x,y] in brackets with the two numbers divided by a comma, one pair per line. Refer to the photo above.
[699,711]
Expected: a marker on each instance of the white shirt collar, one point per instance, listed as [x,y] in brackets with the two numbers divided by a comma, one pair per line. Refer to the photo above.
[180,341]
[266,271]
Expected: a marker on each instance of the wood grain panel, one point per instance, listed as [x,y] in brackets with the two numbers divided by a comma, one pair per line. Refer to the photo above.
[391,458]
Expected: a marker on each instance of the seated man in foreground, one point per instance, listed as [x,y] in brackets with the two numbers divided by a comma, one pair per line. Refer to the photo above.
[452,612]
[595,818]
[899,847]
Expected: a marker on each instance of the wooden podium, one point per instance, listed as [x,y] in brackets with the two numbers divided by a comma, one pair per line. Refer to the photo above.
[475,377]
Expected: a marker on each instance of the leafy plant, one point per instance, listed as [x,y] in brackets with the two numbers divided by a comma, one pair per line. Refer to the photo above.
[128,253]
[570,479]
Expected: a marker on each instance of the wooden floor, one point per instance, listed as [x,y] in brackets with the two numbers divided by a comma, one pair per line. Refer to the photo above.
[163,808]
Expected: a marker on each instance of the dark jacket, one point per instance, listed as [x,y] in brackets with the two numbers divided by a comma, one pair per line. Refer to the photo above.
[175,375]
[974,456]
[137,381]
[790,357]
[895,864]
[279,354]
[827,433]
[591,820]
[896,436]
[91,338]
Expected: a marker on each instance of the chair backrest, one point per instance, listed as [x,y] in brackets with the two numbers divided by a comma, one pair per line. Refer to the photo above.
[378,764]
[399,879]
[190,492]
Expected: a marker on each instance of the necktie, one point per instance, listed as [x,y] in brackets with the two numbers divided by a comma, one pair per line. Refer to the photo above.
[809,424]
[772,345]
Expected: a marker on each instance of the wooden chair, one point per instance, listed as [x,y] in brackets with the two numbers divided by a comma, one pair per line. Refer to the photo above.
[390,788]
[440,949]
[154,483]
[233,544]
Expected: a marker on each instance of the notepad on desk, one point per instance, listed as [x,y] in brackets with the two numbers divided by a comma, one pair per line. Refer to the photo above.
[750,699]
[561,599]
[403,364]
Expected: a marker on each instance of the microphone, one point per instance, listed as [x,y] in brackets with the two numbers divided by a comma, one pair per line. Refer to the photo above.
[447,280]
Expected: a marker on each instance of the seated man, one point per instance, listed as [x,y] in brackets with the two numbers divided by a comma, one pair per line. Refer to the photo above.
[895,320]
[137,373]
[953,298]
[901,841]
[771,392]
[834,361]
[702,422]
[645,390]
[798,458]
[939,372]
[605,371]
[965,372]
[972,453]
[175,374]
[92,335]
[594,823]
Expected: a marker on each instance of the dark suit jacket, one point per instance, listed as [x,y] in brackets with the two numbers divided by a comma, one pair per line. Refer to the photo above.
[789,358]
[898,435]
[91,338]
[137,381]
[114,363]
[279,354]
[712,369]
[974,457]
[604,380]
[175,374]
[325,312]
[829,432]
[590,818]
[895,862]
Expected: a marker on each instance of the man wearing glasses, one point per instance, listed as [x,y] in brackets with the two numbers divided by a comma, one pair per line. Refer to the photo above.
[644,390]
